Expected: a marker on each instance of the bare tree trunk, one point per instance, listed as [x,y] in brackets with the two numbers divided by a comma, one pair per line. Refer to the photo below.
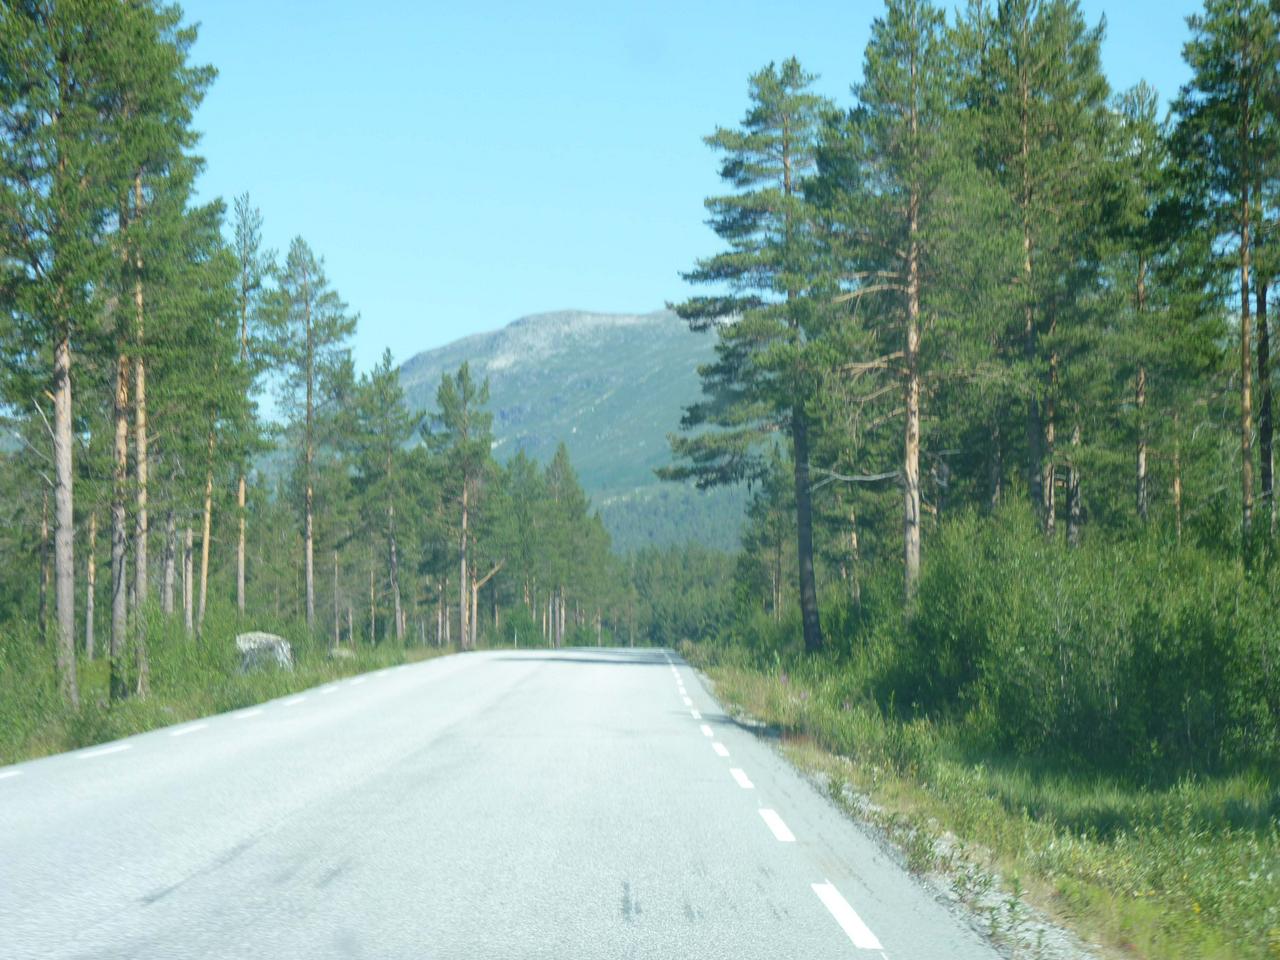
[188,587]
[1049,490]
[337,628]
[462,583]
[204,539]
[64,523]
[309,458]
[170,559]
[1140,402]
[804,532]
[91,582]
[855,561]
[1246,387]
[395,570]
[911,438]
[42,615]
[119,532]
[373,608]
[240,544]
[351,627]
[1265,423]
[141,465]
[473,601]
[1075,503]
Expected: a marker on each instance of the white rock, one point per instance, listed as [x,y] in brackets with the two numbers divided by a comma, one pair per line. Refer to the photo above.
[259,649]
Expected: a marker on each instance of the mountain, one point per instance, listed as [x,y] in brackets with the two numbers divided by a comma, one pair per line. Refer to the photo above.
[611,386]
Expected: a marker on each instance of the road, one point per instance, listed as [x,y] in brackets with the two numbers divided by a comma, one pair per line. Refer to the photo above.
[541,804]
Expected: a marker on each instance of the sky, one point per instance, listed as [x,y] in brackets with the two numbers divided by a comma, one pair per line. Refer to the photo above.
[462,164]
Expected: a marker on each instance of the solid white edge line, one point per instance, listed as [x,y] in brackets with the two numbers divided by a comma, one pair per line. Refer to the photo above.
[6,774]
[720,749]
[103,751]
[246,714]
[706,731]
[190,728]
[780,830]
[845,915]
[696,715]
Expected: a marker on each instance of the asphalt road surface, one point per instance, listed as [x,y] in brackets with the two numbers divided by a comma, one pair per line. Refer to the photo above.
[544,804]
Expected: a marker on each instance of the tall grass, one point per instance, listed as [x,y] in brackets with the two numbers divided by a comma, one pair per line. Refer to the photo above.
[1102,723]
[189,678]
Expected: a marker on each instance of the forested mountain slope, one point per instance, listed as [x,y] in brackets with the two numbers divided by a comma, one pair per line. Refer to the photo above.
[612,386]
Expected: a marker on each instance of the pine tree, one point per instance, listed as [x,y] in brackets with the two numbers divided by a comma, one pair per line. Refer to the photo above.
[1226,139]
[61,171]
[1036,88]
[255,267]
[310,325]
[760,380]
[462,431]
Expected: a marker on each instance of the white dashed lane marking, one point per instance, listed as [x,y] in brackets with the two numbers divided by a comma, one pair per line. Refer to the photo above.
[293,701]
[328,690]
[780,830]
[104,751]
[720,748]
[356,681]
[687,702]
[706,731]
[695,714]
[741,777]
[246,714]
[849,920]
[183,731]
[6,774]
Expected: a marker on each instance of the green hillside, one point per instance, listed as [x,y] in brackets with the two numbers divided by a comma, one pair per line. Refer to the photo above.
[612,386]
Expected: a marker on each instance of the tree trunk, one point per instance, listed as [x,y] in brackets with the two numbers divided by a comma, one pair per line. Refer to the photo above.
[911,438]
[337,625]
[90,585]
[188,587]
[395,570]
[42,614]
[207,527]
[1140,402]
[804,532]
[1140,405]
[373,608]
[141,465]
[351,627]
[1075,503]
[309,460]
[170,559]
[64,523]
[240,541]
[1265,423]
[1246,388]
[140,531]
[462,583]
[119,532]
[1048,489]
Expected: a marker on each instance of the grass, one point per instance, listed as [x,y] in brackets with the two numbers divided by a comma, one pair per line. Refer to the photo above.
[188,679]
[1187,870]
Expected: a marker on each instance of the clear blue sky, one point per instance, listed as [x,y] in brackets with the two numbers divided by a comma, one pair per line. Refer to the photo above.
[462,164]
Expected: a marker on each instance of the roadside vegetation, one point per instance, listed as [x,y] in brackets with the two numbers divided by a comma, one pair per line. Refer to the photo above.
[994,354]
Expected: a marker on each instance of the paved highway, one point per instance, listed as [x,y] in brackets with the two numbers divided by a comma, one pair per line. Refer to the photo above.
[542,804]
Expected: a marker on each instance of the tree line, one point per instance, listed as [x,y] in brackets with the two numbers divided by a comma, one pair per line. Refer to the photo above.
[992,279]
[141,330]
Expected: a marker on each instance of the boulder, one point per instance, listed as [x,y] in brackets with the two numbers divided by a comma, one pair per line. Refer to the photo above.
[263,649]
